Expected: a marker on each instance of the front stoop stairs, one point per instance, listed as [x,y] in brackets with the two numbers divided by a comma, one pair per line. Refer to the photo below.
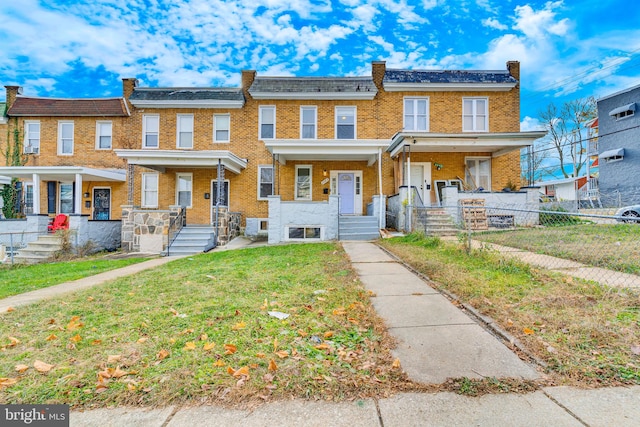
[40,250]
[193,239]
[435,222]
[358,228]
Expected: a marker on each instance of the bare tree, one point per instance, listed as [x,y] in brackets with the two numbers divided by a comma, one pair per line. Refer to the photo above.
[566,131]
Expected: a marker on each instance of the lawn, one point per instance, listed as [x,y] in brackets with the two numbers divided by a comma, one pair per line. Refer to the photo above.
[602,245]
[17,279]
[586,334]
[211,327]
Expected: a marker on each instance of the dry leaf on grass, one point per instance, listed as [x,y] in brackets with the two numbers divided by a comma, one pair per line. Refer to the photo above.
[10,309]
[41,366]
[396,364]
[14,342]
[7,382]
[282,354]
[190,346]
[238,326]
[76,338]
[209,346]
[114,358]
[162,354]
[272,365]
[230,349]
[52,337]
[528,331]
[21,368]
[74,323]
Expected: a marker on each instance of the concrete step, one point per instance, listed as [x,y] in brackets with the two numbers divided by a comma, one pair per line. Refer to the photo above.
[193,239]
[40,250]
[358,228]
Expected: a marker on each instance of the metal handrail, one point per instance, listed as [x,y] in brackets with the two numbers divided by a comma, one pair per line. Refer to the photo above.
[175,226]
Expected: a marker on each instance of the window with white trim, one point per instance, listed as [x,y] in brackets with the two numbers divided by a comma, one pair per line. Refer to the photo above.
[65,138]
[478,172]
[221,127]
[303,182]
[149,190]
[304,233]
[267,119]
[308,122]
[416,114]
[66,198]
[184,131]
[150,130]
[265,181]
[104,131]
[345,122]
[31,142]
[184,189]
[475,114]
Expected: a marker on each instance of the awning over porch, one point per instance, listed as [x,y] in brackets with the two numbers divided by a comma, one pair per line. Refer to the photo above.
[161,159]
[495,143]
[365,150]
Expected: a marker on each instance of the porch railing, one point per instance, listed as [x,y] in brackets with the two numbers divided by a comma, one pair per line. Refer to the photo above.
[176,224]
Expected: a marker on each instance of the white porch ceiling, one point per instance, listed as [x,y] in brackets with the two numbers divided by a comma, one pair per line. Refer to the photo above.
[64,173]
[326,149]
[162,159]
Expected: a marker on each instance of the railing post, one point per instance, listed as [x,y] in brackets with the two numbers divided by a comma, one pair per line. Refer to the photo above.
[11,243]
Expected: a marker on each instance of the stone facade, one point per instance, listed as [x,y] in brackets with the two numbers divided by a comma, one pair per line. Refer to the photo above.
[146,230]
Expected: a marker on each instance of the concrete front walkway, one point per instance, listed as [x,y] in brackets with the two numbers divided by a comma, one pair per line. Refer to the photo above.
[436,340]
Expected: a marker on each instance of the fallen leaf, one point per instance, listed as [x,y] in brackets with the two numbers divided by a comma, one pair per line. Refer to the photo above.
[203,337]
[238,326]
[74,323]
[14,342]
[302,333]
[90,299]
[230,349]
[10,309]
[323,346]
[76,338]
[261,355]
[509,322]
[118,373]
[52,337]
[219,362]
[21,368]
[114,358]
[339,311]
[328,334]
[275,343]
[131,387]
[142,340]
[238,313]
[230,370]
[42,366]
[51,321]
[528,331]
[96,342]
[272,365]
[396,364]
[7,382]
[209,346]
[282,354]
[190,346]
[244,371]
[162,354]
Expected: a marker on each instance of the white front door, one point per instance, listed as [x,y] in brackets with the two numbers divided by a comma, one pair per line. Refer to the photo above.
[421,181]
[348,184]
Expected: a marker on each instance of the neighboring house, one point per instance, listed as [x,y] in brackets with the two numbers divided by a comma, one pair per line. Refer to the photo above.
[619,147]
[562,189]
[287,155]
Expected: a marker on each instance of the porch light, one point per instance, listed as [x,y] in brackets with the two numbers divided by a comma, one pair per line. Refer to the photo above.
[438,166]
[85,195]
[324,172]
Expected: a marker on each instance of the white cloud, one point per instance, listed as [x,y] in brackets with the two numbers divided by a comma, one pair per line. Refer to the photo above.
[494,23]
[538,24]
[530,124]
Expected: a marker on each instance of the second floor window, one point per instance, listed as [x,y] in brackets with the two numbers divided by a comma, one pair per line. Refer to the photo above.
[416,114]
[185,131]
[267,122]
[221,128]
[308,122]
[103,135]
[31,137]
[475,115]
[65,138]
[150,131]
[345,122]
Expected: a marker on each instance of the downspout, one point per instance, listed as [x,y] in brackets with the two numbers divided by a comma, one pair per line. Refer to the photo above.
[410,192]
[380,222]
[218,197]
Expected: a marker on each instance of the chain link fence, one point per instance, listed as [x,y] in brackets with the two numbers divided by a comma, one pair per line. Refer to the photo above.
[592,244]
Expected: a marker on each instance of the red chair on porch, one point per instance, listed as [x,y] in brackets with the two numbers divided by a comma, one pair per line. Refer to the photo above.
[60,222]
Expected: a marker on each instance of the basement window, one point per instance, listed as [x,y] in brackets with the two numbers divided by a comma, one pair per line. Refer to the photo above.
[303,233]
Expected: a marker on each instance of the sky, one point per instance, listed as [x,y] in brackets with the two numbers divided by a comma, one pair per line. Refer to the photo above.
[82,49]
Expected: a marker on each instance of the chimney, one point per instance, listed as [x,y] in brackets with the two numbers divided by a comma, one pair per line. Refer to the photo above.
[12,93]
[514,69]
[248,76]
[128,85]
[378,69]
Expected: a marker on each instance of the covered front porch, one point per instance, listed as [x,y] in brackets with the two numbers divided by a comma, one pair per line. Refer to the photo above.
[318,182]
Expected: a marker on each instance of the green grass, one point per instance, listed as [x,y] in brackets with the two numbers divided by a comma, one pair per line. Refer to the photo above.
[587,334]
[17,279]
[602,245]
[168,331]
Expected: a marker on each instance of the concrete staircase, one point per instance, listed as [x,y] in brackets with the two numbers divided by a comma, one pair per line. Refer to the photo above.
[435,222]
[359,228]
[40,250]
[193,239]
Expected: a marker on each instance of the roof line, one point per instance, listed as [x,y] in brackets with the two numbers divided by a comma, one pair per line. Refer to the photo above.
[69,99]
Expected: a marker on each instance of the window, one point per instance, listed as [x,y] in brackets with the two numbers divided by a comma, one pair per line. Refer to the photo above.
[623,112]
[475,115]
[66,198]
[103,135]
[65,138]
[31,137]
[265,181]
[304,233]
[185,131]
[267,122]
[346,122]
[150,190]
[28,198]
[416,114]
[184,189]
[303,182]
[478,172]
[150,130]
[221,126]
[224,199]
[308,116]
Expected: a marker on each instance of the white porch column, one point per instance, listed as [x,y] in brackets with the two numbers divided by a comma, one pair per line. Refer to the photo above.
[77,201]
[36,193]
[380,218]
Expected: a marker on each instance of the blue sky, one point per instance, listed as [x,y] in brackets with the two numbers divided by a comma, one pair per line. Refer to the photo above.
[68,48]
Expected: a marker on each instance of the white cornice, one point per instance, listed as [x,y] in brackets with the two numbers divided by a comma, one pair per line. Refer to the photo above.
[448,87]
[340,96]
[161,159]
[220,104]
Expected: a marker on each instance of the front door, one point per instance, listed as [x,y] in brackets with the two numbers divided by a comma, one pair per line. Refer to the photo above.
[347,191]
[101,204]
[421,181]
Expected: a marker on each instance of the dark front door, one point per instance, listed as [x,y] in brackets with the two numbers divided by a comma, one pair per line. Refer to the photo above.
[102,204]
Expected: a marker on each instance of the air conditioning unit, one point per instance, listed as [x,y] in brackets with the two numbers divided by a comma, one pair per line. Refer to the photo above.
[31,150]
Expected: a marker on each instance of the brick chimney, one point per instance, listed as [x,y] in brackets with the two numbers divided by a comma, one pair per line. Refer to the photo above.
[378,69]
[12,93]
[514,69]
[128,84]
[248,76]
